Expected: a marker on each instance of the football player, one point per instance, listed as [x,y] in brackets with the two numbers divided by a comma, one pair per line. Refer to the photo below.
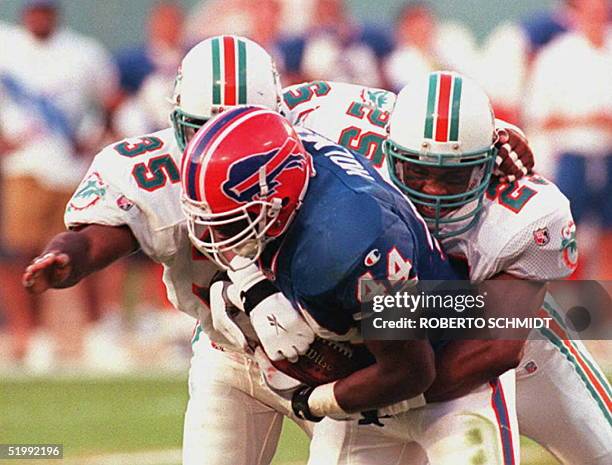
[311,213]
[130,199]
[513,229]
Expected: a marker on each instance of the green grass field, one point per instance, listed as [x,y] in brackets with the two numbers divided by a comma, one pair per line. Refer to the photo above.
[135,421]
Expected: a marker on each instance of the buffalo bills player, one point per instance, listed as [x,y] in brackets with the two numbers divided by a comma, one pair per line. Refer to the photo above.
[319,221]
[310,212]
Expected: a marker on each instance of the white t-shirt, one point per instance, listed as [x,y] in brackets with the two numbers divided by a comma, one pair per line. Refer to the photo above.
[573,79]
[50,92]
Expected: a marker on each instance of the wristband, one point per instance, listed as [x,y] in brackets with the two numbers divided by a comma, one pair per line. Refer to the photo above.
[322,402]
[253,296]
[299,404]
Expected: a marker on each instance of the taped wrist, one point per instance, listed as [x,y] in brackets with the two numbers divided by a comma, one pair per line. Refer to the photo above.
[322,402]
[299,404]
[256,294]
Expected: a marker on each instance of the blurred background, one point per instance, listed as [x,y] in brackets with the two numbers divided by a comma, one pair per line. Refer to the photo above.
[102,367]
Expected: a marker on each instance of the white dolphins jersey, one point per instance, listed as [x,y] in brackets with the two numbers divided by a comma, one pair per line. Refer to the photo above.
[525,229]
[136,182]
[350,115]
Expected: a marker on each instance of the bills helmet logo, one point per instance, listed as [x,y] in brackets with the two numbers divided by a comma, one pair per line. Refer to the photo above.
[243,183]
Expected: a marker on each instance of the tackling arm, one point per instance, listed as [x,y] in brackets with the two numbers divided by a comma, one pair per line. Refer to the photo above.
[72,255]
[463,365]
[403,370]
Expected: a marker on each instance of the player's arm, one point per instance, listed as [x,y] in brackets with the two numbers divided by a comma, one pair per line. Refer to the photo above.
[526,263]
[402,369]
[281,330]
[463,365]
[72,255]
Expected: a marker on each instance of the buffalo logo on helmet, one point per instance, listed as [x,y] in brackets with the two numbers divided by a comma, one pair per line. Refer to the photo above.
[243,181]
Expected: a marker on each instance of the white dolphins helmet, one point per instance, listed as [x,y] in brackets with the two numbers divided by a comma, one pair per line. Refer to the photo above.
[220,73]
[442,123]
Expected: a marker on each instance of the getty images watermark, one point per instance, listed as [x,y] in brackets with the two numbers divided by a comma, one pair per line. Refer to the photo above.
[496,309]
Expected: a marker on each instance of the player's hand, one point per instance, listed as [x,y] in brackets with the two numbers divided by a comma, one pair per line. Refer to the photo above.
[282,331]
[514,157]
[280,383]
[223,313]
[46,271]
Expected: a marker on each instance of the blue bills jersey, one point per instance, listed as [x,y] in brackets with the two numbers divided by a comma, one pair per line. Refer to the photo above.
[352,227]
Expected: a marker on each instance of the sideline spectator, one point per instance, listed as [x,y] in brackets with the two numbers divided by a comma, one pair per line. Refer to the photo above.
[50,79]
[508,52]
[423,44]
[260,21]
[570,97]
[215,17]
[160,53]
[148,72]
[334,47]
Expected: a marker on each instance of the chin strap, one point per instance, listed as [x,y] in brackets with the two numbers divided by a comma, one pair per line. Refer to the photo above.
[263,185]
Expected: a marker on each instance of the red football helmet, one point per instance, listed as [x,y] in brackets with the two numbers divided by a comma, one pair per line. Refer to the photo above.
[244,176]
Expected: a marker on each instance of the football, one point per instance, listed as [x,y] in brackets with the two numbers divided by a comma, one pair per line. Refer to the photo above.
[327,361]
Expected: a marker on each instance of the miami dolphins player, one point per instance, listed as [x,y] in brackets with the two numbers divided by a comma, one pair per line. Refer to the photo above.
[129,200]
[310,213]
[513,230]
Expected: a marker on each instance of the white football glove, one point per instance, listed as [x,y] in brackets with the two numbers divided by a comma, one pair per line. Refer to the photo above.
[222,309]
[282,331]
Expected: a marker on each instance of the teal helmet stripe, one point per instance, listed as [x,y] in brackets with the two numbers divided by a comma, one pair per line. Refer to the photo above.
[431,105]
[216,58]
[456,105]
[242,73]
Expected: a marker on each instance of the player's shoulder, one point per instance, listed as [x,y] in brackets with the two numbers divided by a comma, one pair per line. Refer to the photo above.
[523,202]
[135,149]
[143,163]
[339,237]
[311,94]
[522,218]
